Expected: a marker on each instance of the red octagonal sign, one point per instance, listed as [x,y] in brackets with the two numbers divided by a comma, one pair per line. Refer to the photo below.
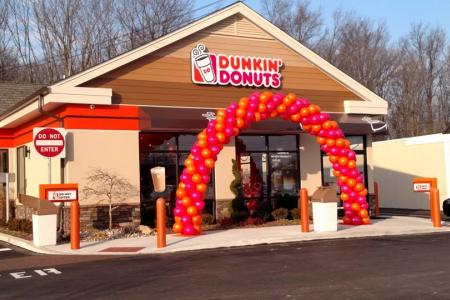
[49,142]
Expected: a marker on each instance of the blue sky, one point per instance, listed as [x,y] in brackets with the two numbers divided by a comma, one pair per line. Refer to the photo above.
[397,14]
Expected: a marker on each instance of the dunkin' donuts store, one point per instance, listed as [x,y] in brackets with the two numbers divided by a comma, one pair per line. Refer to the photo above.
[146,107]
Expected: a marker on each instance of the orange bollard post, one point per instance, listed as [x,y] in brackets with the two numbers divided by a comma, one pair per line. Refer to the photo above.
[304,210]
[435,210]
[75,225]
[376,199]
[160,223]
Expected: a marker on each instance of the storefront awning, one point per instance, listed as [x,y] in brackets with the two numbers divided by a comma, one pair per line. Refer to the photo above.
[176,119]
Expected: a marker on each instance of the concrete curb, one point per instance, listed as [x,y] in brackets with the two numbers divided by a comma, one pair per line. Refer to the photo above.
[24,244]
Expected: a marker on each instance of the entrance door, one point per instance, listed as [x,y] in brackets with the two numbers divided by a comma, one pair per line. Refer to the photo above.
[269,171]
[167,150]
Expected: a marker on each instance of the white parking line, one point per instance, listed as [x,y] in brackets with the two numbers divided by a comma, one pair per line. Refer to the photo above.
[5,249]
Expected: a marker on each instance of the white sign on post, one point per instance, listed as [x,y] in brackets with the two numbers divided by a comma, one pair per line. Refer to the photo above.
[422,187]
[62,195]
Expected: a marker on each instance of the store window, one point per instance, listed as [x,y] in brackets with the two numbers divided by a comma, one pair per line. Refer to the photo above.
[269,167]
[21,183]
[168,150]
[358,144]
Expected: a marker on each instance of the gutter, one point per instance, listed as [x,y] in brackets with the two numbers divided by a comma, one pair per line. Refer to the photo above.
[26,101]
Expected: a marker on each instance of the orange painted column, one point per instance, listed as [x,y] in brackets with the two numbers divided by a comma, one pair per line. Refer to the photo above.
[160,223]
[74,225]
[376,199]
[434,207]
[304,210]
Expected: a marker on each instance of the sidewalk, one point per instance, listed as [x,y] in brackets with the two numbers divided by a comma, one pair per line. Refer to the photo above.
[394,225]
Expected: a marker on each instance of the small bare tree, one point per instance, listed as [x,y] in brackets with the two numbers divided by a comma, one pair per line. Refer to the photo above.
[108,186]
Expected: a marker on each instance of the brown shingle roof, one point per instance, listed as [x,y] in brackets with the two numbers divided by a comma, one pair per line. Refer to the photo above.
[12,93]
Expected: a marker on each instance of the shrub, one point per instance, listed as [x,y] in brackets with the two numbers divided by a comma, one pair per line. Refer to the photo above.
[239,216]
[295,213]
[207,219]
[280,213]
[226,222]
[253,221]
[22,225]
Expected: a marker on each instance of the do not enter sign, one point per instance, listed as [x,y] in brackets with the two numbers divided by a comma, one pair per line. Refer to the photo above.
[49,142]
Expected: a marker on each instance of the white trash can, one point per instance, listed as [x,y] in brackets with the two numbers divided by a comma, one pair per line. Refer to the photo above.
[44,230]
[324,206]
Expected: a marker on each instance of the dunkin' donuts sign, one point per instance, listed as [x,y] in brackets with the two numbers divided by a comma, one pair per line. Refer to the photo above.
[221,69]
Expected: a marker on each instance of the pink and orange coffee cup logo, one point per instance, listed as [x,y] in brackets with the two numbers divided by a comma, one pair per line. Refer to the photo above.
[220,69]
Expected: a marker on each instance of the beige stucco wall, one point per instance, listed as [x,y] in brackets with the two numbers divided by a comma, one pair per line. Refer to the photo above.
[397,162]
[370,167]
[112,150]
[310,172]
[223,178]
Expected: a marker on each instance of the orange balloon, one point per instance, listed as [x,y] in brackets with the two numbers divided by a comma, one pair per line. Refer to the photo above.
[206,153]
[288,101]
[281,108]
[191,170]
[220,119]
[359,187]
[326,125]
[209,163]
[257,117]
[363,213]
[351,182]
[202,143]
[201,187]
[355,206]
[188,162]
[197,220]
[273,114]
[307,128]
[333,158]
[262,107]
[240,112]
[220,127]
[177,219]
[331,142]
[186,201]
[334,124]
[366,220]
[296,118]
[340,142]
[336,173]
[316,128]
[344,196]
[221,137]
[343,178]
[347,143]
[196,178]
[221,112]
[198,228]
[265,97]
[304,112]
[363,192]
[243,102]
[343,161]
[291,96]
[321,140]
[313,109]
[181,193]
[202,135]
[192,210]
[347,220]
[351,164]
[181,185]
[177,227]
[240,123]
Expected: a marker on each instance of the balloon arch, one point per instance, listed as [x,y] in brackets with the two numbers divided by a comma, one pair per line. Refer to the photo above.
[255,108]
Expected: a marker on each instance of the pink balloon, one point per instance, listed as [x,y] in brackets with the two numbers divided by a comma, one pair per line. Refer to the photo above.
[202,169]
[345,189]
[356,220]
[212,124]
[228,131]
[337,166]
[252,106]
[188,230]
[212,140]
[277,99]
[325,148]
[344,171]
[199,204]
[361,199]
[364,205]
[347,205]
[196,196]
[351,154]
[293,109]
[315,119]
[215,150]
[196,150]
[305,120]
[334,150]
[322,133]
[209,131]
[271,106]
[352,195]
[343,151]
[233,106]
[190,186]
[230,121]
[332,134]
[360,179]
[354,173]
[184,178]
[264,115]
[324,117]
[206,179]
